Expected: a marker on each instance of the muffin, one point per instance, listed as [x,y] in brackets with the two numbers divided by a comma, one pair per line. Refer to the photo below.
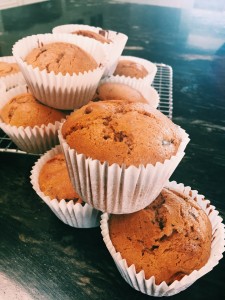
[123,150]
[168,239]
[10,73]
[124,88]
[122,132]
[24,110]
[54,180]
[137,68]
[120,91]
[93,35]
[164,248]
[113,42]
[50,180]
[61,58]
[31,125]
[61,70]
[131,69]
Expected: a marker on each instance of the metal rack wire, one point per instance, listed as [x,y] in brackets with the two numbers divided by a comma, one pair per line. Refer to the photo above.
[163,83]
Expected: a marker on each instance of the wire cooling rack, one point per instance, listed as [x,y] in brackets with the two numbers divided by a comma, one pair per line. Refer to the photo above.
[163,83]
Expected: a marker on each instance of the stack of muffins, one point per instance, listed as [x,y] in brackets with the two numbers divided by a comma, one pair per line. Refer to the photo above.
[116,155]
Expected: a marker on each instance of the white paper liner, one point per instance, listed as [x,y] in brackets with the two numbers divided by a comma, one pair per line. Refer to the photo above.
[74,215]
[114,49]
[56,90]
[2,87]
[117,189]
[149,66]
[147,91]
[29,139]
[14,79]
[138,281]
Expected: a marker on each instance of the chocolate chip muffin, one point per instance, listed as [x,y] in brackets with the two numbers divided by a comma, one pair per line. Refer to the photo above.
[61,58]
[93,35]
[7,68]
[168,239]
[54,180]
[122,132]
[131,69]
[119,91]
[24,110]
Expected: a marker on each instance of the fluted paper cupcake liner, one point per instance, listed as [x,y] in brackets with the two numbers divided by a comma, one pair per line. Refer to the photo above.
[56,90]
[70,213]
[148,286]
[147,91]
[117,189]
[29,139]
[113,49]
[2,87]
[149,66]
[12,80]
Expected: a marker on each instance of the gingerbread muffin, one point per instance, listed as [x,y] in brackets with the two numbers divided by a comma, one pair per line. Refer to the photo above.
[168,239]
[119,91]
[7,68]
[61,58]
[131,69]
[24,110]
[54,180]
[93,35]
[122,132]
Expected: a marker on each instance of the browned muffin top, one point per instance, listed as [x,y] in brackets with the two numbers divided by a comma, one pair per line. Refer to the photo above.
[122,132]
[119,91]
[92,35]
[61,57]
[8,68]
[54,180]
[131,69]
[24,110]
[168,239]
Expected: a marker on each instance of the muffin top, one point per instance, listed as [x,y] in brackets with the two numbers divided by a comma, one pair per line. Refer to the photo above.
[24,110]
[54,180]
[8,68]
[93,35]
[61,58]
[122,132]
[119,91]
[168,239]
[131,69]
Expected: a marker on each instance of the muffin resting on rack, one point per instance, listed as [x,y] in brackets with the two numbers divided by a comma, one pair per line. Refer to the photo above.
[61,57]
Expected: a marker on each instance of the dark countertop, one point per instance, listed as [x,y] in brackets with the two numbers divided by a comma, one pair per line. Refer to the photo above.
[42,258]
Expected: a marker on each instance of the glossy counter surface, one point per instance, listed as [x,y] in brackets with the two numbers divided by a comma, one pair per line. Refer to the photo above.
[40,257]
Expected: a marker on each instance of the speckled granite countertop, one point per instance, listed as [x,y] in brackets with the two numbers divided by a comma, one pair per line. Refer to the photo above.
[42,258]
